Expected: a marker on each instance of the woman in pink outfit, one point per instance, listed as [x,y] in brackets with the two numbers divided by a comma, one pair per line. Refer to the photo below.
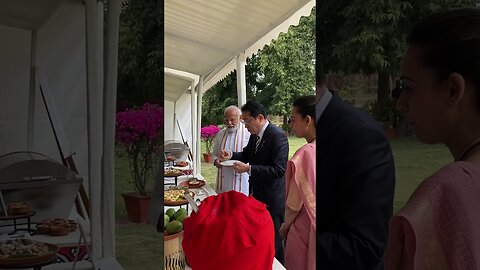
[439,227]
[298,230]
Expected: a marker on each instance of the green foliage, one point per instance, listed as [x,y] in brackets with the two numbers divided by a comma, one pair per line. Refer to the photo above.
[287,67]
[383,111]
[140,63]
[367,36]
[280,73]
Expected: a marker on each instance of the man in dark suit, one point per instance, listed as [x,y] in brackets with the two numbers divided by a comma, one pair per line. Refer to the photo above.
[265,159]
[355,186]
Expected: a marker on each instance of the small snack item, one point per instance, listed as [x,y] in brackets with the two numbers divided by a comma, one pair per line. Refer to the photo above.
[20,248]
[182,164]
[172,172]
[19,208]
[56,227]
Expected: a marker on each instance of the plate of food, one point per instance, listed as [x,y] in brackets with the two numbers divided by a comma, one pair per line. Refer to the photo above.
[26,253]
[172,172]
[176,196]
[181,164]
[228,163]
[192,183]
[56,227]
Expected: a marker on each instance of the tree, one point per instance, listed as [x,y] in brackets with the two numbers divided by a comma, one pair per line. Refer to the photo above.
[278,74]
[367,36]
[287,67]
[140,63]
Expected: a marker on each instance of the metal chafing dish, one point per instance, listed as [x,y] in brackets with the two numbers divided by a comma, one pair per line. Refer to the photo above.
[44,183]
[176,149]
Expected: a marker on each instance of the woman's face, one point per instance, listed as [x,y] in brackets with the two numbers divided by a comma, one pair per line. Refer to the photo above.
[425,98]
[299,124]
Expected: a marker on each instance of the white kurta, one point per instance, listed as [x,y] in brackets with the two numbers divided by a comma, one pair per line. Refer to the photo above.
[227,178]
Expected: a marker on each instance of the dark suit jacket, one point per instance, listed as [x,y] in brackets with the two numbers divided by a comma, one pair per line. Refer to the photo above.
[268,167]
[355,186]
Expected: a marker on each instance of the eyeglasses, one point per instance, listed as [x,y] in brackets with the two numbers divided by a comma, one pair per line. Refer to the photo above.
[247,121]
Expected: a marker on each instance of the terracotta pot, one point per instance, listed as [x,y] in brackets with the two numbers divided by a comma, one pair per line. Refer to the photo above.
[207,157]
[137,206]
[391,133]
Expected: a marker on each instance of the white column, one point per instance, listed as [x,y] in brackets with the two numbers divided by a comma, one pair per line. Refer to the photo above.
[94,126]
[33,87]
[174,119]
[193,122]
[241,81]
[199,125]
[109,109]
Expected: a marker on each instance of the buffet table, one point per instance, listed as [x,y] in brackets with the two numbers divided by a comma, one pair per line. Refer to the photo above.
[206,191]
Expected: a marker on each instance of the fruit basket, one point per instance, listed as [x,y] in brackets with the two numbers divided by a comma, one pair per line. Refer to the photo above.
[174,258]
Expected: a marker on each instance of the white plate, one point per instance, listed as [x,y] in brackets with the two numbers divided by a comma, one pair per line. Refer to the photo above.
[228,163]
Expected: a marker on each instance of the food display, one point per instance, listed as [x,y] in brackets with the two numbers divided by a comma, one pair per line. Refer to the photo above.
[56,227]
[176,196]
[173,220]
[181,164]
[20,248]
[19,208]
[192,183]
[172,172]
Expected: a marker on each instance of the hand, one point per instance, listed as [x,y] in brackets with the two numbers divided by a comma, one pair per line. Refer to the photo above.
[241,167]
[217,163]
[283,231]
[225,155]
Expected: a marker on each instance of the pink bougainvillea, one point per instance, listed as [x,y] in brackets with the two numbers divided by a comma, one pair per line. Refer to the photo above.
[139,132]
[208,135]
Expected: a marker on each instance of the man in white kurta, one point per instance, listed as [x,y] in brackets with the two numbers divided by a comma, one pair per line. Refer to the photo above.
[234,138]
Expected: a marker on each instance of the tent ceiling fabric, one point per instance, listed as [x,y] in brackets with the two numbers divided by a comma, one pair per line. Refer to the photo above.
[27,14]
[172,83]
[204,37]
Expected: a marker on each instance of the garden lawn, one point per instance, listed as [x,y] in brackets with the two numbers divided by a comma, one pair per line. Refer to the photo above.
[138,246]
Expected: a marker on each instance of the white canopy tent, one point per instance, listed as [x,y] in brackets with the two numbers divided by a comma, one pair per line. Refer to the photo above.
[207,40]
[62,41]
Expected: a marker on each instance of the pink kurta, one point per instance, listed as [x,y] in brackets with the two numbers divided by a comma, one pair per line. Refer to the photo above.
[439,228]
[300,241]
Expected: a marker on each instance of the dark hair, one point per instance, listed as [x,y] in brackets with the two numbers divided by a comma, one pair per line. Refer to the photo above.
[254,108]
[306,105]
[451,43]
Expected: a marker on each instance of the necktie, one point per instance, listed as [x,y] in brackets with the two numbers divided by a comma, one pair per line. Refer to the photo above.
[257,143]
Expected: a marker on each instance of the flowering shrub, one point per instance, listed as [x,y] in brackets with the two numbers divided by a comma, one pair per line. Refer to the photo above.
[208,135]
[139,132]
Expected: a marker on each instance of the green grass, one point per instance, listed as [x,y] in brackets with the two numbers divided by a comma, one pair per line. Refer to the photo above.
[138,246]
[414,162]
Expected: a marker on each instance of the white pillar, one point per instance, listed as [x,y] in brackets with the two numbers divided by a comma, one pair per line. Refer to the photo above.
[94,126]
[241,81]
[193,122]
[109,109]
[33,87]
[199,125]
[174,119]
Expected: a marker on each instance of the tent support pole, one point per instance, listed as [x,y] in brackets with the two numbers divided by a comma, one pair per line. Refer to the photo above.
[33,87]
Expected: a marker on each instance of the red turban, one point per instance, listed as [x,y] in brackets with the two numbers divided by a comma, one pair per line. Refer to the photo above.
[230,231]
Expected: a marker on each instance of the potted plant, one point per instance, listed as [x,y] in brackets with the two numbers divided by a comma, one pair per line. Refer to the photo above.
[208,134]
[385,112]
[139,132]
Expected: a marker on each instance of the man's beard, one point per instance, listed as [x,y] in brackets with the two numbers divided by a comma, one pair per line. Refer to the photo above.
[232,129]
